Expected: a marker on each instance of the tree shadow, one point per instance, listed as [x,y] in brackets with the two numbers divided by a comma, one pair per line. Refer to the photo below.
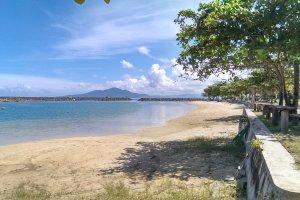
[212,158]
[233,118]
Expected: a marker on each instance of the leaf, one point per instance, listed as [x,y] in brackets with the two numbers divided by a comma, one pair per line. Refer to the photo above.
[107,1]
[79,1]
[261,53]
[217,3]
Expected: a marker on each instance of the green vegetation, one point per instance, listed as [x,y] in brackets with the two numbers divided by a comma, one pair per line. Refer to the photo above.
[229,35]
[29,191]
[208,145]
[167,190]
[290,140]
[256,144]
[82,1]
[240,89]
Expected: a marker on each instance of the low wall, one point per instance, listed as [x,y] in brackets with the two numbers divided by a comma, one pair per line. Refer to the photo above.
[271,173]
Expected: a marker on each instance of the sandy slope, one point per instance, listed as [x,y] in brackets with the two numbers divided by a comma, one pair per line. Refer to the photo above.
[84,164]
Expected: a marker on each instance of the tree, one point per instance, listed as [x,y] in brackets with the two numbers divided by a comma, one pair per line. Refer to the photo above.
[240,89]
[213,91]
[210,38]
[82,1]
[231,35]
[267,85]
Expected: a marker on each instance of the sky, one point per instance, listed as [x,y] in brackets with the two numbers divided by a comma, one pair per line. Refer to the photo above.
[53,48]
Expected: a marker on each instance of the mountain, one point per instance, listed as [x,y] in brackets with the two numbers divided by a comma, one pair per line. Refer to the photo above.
[112,92]
[116,92]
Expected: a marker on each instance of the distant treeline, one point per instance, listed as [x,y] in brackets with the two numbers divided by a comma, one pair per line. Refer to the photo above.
[22,99]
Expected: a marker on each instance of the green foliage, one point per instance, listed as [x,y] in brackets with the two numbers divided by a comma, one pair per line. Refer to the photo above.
[256,144]
[213,91]
[244,119]
[229,35]
[265,81]
[83,1]
[212,38]
[79,1]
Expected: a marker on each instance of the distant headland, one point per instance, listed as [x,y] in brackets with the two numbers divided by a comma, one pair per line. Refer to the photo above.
[112,94]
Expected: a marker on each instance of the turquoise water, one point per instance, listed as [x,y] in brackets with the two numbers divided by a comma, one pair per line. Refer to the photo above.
[29,121]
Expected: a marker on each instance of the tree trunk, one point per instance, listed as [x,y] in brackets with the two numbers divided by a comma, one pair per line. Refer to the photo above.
[281,92]
[280,98]
[296,86]
[280,77]
[286,95]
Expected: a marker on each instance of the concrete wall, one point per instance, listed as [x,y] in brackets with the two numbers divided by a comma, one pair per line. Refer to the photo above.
[271,173]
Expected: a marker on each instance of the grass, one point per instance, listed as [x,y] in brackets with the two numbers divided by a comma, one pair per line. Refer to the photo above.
[167,190]
[29,191]
[290,140]
[220,144]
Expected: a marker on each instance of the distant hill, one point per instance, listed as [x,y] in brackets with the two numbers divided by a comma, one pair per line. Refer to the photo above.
[112,92]
[116,92]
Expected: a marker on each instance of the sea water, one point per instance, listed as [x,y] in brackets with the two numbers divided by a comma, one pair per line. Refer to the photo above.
[30,121]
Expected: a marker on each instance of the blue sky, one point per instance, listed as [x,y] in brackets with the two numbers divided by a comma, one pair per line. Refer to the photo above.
[50,48]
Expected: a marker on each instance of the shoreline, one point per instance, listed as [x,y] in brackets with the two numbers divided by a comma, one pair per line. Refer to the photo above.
[75,163]
[81,134]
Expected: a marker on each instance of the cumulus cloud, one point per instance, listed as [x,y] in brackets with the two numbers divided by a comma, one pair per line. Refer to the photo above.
[21,85]
[160,81]
[126,64]
[144,50]
[158,77]
[165,61]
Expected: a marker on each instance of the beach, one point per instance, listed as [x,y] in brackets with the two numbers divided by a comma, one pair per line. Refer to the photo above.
[83,165]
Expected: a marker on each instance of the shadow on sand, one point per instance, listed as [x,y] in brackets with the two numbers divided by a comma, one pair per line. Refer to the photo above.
[212,158]
[233,119]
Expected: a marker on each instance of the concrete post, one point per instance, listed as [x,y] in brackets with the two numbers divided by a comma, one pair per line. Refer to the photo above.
[268,112]
[253,94]
[264,109]
[295,121]
[275,116]
[284,121]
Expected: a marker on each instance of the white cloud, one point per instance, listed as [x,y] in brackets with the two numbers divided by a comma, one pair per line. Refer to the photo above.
[158,82]
[165,80]
[158,77]
[126,64]
[165,61]
[144,50]
[21,85]
[100,31]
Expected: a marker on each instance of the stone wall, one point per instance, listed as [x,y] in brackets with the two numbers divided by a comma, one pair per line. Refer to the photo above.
[271,173]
